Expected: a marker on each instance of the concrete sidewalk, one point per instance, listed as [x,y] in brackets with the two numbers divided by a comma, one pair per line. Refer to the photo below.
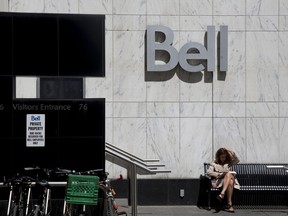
[194,210]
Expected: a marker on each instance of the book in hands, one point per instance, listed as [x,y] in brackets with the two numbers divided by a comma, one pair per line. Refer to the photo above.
[224,173]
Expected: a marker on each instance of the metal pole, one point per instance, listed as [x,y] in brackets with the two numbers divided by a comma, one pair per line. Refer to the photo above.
[133,188]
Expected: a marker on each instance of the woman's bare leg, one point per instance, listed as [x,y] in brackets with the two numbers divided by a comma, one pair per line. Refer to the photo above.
[229,194]
[228,186]
[226,182]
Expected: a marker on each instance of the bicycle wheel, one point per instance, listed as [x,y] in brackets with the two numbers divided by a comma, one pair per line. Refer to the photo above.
[44,203]
[69,210]
[110,208]
[36,211]
[13,209]
[21,207]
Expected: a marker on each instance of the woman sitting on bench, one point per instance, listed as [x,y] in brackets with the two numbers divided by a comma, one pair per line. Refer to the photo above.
[224,179]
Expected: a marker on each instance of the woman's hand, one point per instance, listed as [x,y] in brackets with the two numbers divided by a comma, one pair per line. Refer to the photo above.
[219,175]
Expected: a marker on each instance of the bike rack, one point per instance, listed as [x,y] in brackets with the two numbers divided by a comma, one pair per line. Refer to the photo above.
[134,166]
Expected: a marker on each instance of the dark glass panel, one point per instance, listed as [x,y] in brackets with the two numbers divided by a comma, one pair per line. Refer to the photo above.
[83,118]
[35,44]
[5,44]
[82,45]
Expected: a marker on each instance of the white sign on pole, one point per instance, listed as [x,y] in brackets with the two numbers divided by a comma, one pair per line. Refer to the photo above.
[35,130]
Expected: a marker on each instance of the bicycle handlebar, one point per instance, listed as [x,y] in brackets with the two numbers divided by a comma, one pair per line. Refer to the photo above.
[117,179]
[32,168]
[111,180]
[44,170]
[19,179]
[67,171]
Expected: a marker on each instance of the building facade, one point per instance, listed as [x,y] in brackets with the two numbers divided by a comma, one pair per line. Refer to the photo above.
[179,117]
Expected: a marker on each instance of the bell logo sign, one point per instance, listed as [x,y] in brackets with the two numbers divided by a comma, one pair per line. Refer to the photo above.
[185,54]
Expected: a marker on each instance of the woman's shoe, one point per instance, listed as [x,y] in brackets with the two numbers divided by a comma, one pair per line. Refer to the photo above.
[220,197]
[230,208]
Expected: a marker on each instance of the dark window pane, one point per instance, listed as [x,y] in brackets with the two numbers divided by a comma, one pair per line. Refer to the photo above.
[61,88]
[6,89]
[23,156]
[35,44]
[85,118]
[82,45]
[5,44]
[5,159]
[82,154]
[6,106]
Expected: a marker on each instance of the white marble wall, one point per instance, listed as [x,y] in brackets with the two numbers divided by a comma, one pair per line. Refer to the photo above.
[185,119]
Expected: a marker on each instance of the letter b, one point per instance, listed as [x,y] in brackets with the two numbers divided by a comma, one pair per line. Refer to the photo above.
[153,46]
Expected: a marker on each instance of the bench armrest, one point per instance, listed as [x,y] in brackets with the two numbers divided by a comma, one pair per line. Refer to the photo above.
[206,176]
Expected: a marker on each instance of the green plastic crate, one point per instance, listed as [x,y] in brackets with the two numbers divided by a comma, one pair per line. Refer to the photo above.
[82,189]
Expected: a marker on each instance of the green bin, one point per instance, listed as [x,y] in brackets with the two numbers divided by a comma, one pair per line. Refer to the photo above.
[82,189]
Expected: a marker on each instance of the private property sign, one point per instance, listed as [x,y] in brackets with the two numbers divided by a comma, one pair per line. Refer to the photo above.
[35,130]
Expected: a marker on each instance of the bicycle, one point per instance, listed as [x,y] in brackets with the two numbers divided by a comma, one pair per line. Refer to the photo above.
[43,203]
[111,207]
[19,195]
[81,190]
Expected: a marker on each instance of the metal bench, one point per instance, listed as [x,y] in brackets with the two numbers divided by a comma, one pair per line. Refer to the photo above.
[261,184]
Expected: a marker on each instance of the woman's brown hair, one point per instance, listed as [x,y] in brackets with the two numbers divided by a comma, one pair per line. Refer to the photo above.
[222,151]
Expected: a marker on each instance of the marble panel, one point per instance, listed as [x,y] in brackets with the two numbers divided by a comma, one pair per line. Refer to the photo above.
[195,23]
[283,133]
[283,23]
[163,144]
[129,134]
[195,109]
[262,23]
[228,109]
[170,21]
[230,133]
[262,7]
[63,6]
[95,7]
[128,66]
[230,85]
[234,23]
[283,65]
[283,7]
[4,6]
[137,7]
[162,109]
[195,146]
[32,6]
[130,110]
[262,140]
[196,7]
[129,22]
[262,66]
[163,7]
[262,109]
[229,7]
